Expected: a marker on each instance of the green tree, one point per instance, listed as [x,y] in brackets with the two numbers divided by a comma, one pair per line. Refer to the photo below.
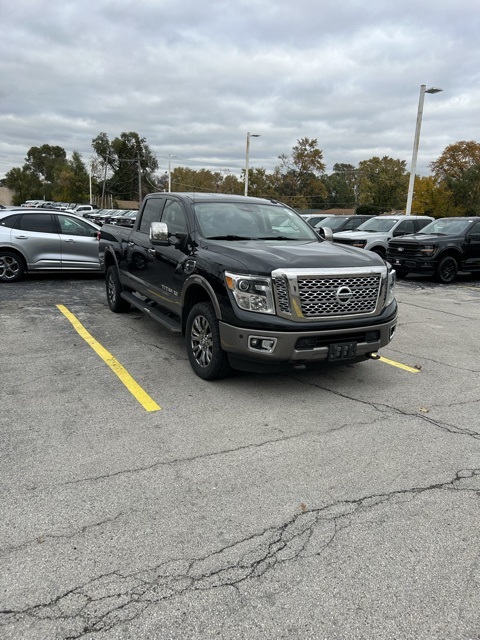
[298,179]
[458,169]
[126,161]
[25,184]
[44,161]
[341,186]
[260,183]
[383,183]
[71,181]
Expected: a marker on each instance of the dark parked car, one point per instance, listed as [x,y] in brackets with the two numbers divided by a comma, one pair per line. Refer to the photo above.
[42,240]
[341,223]
[125,220]
[442,248]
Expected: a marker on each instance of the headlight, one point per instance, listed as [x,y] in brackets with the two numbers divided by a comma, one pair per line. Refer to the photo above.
[391,278]
[428,250]
[252,293]
[359,243]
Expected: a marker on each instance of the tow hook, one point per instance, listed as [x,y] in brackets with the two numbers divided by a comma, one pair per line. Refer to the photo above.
[373,356]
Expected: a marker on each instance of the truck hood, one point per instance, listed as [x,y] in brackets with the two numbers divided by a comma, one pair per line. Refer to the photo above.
[421,238]
[262,257]
[361,235]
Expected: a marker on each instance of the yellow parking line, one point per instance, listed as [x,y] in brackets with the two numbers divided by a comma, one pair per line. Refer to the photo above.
[399,365]
[135,389]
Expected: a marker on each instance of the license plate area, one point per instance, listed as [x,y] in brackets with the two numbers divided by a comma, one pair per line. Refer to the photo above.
[397,262]
[342,351]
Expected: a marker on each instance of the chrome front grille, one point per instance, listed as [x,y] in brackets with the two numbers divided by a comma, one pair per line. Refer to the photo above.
[329,293]
[282,294]
[331,297]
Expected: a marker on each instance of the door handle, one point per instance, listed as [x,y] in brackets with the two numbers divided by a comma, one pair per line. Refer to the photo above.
[21,237]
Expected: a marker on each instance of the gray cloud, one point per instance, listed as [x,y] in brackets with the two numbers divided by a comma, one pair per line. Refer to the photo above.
[193,78]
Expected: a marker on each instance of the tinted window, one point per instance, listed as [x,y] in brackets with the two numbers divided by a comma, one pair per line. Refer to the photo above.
[40,222]
[9,222]
[405,227]
[151,213]
[174,216]
[420,224]
[475,230]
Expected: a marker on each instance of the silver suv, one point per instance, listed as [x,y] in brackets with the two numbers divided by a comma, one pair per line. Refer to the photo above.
[376,232]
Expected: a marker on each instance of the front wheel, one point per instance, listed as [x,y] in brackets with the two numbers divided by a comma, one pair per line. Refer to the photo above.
[446,270]
[114,288]
[204,350]
[12,266]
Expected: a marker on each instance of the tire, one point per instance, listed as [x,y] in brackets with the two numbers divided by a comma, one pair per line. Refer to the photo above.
[12,266]
[207,358]
[114,288]
[446,270]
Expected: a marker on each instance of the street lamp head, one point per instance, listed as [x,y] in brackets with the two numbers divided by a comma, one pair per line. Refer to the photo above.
[433,90]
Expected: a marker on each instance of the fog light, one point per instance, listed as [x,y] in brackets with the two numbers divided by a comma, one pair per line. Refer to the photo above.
[265,345]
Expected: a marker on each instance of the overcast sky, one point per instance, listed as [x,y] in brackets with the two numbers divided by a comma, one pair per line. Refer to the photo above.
[193,77]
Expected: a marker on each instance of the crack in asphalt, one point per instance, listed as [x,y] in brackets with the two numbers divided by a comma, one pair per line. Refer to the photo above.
[194,458]
[383,408]
[40,539]
[106,601]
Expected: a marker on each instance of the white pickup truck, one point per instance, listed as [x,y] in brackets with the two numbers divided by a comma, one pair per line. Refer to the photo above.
[375,233]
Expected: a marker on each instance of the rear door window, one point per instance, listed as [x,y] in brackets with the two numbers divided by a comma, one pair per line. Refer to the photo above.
[38,222]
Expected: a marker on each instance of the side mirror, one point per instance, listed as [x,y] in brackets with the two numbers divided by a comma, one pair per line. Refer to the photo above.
[325,233]
[159,233]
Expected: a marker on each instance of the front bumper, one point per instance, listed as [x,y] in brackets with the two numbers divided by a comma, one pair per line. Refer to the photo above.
[411,263]
[303,347]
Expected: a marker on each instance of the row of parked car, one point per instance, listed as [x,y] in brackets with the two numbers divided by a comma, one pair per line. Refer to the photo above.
[412,244]
[123,217]
[40,239]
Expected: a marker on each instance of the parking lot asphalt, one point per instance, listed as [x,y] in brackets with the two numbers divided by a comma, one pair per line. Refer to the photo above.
[339,504]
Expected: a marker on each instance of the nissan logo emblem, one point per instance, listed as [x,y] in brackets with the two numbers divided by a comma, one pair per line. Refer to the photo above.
[344,295]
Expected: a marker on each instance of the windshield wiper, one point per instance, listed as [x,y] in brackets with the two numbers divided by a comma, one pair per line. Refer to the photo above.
[230,237]
[275,238]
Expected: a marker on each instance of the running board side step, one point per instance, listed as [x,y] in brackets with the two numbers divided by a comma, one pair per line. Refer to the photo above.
[167,321]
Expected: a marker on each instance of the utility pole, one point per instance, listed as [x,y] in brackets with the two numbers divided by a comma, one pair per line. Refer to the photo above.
[416,140]
[139,182]
[104,180]
[247,157]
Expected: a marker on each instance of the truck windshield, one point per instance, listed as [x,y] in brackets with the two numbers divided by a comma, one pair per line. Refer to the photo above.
[445,226]
[250,221]
[378,225]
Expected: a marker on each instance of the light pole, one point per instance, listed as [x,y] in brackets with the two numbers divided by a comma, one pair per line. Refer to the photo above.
[170,156]
[423,91]
[247,156]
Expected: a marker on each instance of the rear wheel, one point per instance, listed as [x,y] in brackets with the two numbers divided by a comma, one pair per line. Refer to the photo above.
[114,288]
[204,350]
[12,266]
[446,270]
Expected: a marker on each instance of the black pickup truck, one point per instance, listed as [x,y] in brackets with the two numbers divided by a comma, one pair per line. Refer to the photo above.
[249,284]
[441,249]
